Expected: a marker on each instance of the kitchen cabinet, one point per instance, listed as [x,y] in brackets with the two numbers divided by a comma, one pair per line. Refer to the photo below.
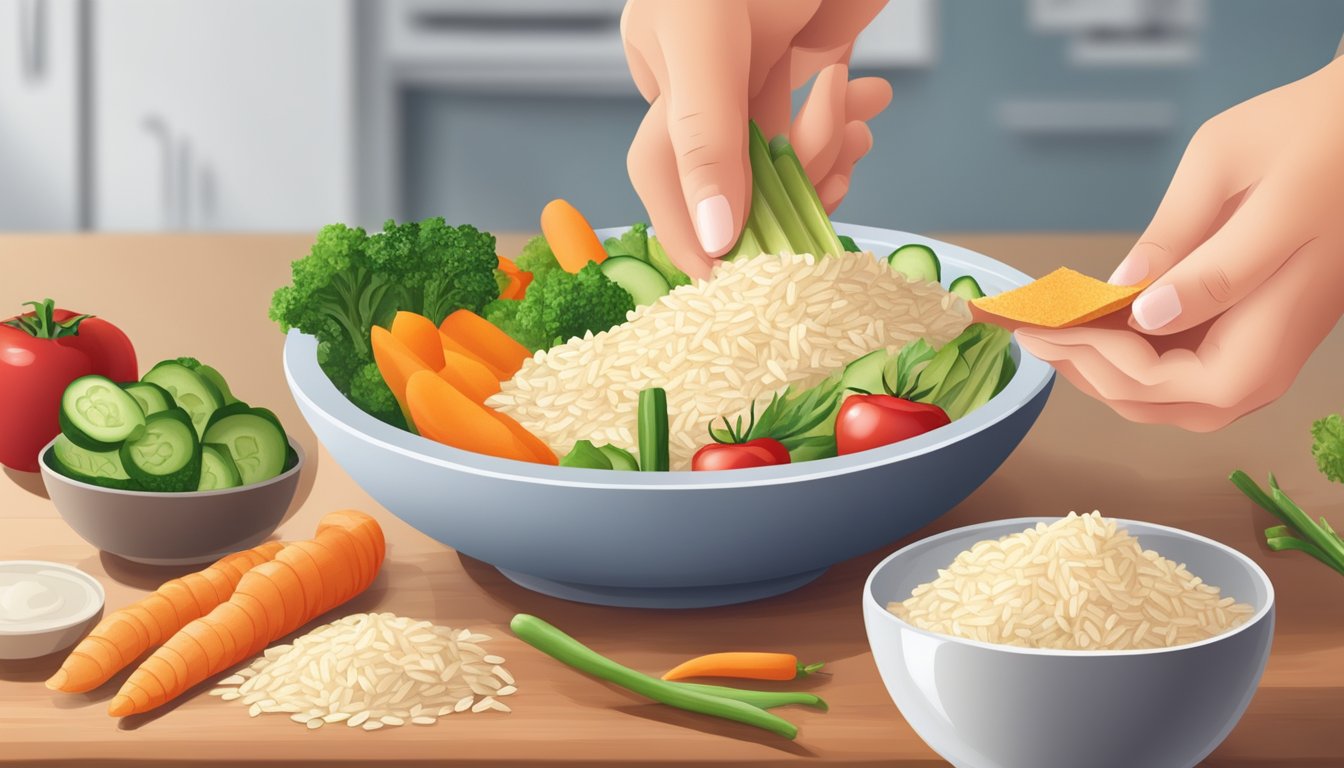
[221,114]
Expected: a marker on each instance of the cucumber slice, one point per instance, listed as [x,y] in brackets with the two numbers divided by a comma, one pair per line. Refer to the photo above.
[255,440]
[917,262]
[644,283]
[192,392]
[150,397]
[217,469]
[660,261]
[621,459]
[966,287]
[215,377]
[866,372]
[167,457]
[95,467]
[849,244]
[97,415]
[654,454]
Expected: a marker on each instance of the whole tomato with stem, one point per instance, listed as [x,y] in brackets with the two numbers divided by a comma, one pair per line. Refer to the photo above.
[41,352]
[868,421]
[737,452]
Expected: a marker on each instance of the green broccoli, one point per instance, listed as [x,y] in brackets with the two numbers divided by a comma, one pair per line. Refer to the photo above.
[350,282]
[537,258]
[1327,446]
[560,305]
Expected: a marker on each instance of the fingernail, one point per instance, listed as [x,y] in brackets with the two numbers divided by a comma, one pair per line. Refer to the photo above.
[1133,269]
[1156,308]
[714,223]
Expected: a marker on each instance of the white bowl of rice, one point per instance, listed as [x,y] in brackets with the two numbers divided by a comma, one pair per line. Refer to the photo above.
[1068,642]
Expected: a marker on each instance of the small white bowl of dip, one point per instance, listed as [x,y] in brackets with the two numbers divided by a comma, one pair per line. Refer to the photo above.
[45,607]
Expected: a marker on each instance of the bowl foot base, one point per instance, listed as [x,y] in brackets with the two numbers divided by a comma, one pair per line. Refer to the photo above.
[662,597]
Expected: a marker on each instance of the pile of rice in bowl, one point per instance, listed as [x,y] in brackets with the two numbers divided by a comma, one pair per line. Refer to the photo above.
[1078,584]
[718,346]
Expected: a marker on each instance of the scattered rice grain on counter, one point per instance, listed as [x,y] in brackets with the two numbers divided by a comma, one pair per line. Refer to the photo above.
[718,346]
[373,670]
[1080,583]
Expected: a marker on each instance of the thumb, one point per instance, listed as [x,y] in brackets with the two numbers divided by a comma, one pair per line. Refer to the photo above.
[1223,270]
[706,91]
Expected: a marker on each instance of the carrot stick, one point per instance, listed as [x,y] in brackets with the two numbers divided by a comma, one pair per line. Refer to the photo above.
[443,414]
[752,665]
[469,375]
[541,452]
[396,362]
[123,636]
[516,287]
[454,345]
[261,602]
[417,332]
[571,238]
[486,341]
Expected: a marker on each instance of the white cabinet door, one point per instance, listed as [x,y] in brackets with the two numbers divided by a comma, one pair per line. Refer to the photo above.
[222,114]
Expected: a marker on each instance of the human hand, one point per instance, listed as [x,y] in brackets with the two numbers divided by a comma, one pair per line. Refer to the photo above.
[706,67]
[1246,255]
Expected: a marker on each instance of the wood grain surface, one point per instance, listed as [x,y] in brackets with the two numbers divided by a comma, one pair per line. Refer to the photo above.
[209,299]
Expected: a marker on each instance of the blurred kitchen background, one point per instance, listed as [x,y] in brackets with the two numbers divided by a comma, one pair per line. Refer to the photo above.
[281,115]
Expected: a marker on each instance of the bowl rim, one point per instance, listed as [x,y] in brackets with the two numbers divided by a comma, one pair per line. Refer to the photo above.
[870,600]
[88,580]
[309,385]
[47,471]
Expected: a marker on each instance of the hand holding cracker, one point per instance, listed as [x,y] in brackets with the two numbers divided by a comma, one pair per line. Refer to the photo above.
[1245,257]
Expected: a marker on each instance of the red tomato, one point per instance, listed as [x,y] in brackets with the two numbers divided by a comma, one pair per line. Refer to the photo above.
[869,421]
[761,452]
[38,358]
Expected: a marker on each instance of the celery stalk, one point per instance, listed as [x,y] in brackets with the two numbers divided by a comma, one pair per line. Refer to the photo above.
[804,198]
[766,180]
[747,245]
[768,228]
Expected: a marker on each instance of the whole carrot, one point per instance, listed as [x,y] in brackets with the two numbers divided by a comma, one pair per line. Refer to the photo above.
[570,236]
[272,600]
[121,637]
[752,665]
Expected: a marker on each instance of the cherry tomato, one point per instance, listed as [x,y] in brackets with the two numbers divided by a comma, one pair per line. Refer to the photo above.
[40,353]
[870,421]
[761,452]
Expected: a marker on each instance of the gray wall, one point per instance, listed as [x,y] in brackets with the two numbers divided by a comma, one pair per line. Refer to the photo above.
[941,162]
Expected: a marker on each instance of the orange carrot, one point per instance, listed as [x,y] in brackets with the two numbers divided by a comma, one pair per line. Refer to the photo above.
[419,335]
[571,238]
[453,345]
[541,452]
[486,341]
[469,375]
[442,413]
[396,362]
[123,636]
[752,665]
[518,279]
[260,611]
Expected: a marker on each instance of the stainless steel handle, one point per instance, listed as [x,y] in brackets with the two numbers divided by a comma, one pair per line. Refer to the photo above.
[32,38]
[158,128]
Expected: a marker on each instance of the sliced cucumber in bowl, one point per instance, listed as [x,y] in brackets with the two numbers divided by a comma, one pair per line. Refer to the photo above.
[98,415]
[166,457]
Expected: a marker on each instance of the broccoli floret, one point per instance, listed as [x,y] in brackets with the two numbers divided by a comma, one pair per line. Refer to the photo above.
[350,282]
[537,258]
[1328,446]
[563,305]
[633,242]
[503,313]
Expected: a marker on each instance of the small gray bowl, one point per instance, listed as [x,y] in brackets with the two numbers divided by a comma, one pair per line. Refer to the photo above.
[172,528]
[638,539]
[1000,706]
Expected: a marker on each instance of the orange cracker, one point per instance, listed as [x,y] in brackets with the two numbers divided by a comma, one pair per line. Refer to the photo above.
[1061,299]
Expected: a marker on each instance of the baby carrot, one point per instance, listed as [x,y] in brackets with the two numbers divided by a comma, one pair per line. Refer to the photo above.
[571,238]
[752,665]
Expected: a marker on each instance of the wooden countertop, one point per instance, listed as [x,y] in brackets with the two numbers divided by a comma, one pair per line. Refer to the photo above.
[209,299]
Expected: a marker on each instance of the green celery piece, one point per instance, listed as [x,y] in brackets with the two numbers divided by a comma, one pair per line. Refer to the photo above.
[1009,371]
[985,360]
[767,227]
[767,181]
[1305,526]
[1286,543]
[746,247]
[804,198]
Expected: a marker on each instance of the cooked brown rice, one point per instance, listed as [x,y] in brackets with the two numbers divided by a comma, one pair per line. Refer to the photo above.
[1081,583]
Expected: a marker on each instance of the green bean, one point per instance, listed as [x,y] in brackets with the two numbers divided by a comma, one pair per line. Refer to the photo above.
[563,648]
[762,699]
